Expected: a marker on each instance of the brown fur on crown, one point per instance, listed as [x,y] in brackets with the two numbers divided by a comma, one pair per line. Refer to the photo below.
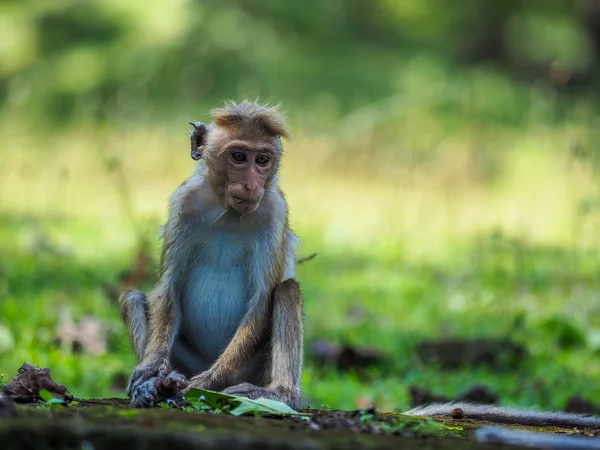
[250,117]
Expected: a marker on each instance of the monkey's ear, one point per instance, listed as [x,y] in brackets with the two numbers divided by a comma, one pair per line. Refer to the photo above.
[197,138]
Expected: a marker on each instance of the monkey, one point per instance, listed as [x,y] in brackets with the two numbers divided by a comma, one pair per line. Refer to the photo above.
[226,311]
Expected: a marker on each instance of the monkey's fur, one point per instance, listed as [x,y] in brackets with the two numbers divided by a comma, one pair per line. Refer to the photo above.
[498,414]
[226,312]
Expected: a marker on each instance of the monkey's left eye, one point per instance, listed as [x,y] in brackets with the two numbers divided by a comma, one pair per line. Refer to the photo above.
[263,160]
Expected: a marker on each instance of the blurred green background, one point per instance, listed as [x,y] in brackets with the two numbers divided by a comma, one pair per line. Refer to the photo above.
[443,164]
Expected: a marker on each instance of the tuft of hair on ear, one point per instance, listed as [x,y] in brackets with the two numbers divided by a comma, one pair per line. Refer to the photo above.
[251,116]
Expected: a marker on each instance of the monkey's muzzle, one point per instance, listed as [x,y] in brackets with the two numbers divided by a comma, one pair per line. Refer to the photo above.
[243,205]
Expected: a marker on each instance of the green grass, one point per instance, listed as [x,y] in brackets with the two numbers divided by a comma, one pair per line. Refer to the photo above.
[408,250]
[399,303]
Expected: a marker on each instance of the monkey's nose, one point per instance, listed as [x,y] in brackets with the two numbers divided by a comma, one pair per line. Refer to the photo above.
[252,187]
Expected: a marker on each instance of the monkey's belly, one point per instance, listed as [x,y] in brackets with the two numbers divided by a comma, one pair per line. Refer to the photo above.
[213,304]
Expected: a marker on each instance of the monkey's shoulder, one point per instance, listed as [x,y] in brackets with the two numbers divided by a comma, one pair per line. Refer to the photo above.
[274,205]
[194,199]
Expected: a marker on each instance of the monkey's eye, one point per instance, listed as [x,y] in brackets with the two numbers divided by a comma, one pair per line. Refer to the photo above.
[237,156]
[263,160]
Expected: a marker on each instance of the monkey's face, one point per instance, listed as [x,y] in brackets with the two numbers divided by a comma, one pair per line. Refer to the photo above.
[247,173]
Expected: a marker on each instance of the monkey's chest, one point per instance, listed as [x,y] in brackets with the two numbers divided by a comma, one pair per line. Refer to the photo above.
[214,300]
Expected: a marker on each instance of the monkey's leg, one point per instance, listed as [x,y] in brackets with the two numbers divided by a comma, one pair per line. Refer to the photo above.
[133,306]
[286,349]
[152,381]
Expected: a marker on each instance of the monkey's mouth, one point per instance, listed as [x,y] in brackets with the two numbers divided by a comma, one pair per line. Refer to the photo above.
[243,205]
[243,200]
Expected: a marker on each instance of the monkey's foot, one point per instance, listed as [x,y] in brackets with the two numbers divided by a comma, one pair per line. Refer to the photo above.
[158,389]
[251,391]
[208,380]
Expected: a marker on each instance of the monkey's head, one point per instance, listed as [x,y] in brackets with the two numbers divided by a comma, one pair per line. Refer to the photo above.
[242,149]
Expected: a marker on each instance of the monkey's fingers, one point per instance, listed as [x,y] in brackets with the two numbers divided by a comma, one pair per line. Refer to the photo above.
[161,389]
[139,376]
[145,395]
[173,383]
[179,379]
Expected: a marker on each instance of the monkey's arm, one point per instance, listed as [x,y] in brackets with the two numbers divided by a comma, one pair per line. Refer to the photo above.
[286,349]
[228,367]
[287,343]
[153,379]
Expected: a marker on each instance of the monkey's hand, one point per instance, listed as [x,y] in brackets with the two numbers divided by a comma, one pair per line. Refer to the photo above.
[159,389]
[210,380]
[152,382]
[146,370]
[271,392]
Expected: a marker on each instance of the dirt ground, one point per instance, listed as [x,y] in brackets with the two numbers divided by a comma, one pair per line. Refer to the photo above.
[111,425]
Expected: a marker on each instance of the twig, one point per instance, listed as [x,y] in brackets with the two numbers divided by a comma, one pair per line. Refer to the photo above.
[306,258]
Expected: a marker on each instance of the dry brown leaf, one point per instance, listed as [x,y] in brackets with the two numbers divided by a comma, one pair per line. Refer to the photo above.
[25,387]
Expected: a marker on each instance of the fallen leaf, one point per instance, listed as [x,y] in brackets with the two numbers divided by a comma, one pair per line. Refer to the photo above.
[237,406]
[27,385]
[261,406]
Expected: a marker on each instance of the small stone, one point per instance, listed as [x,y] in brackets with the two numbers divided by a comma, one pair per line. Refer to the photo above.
[457,413]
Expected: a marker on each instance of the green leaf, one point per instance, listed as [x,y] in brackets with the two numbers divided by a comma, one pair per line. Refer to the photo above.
[46,395]
[261,406]
[235,405]
[214,399]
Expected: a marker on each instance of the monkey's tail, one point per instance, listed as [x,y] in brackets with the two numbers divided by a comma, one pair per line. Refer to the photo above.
[498,414]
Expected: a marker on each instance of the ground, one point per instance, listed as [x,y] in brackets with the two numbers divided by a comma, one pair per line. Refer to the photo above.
[38,412]
[99,426]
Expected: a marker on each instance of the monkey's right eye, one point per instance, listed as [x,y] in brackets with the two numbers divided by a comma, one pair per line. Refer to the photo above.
[238,157]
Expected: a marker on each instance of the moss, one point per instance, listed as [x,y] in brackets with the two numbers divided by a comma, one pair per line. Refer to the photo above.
[111,425]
